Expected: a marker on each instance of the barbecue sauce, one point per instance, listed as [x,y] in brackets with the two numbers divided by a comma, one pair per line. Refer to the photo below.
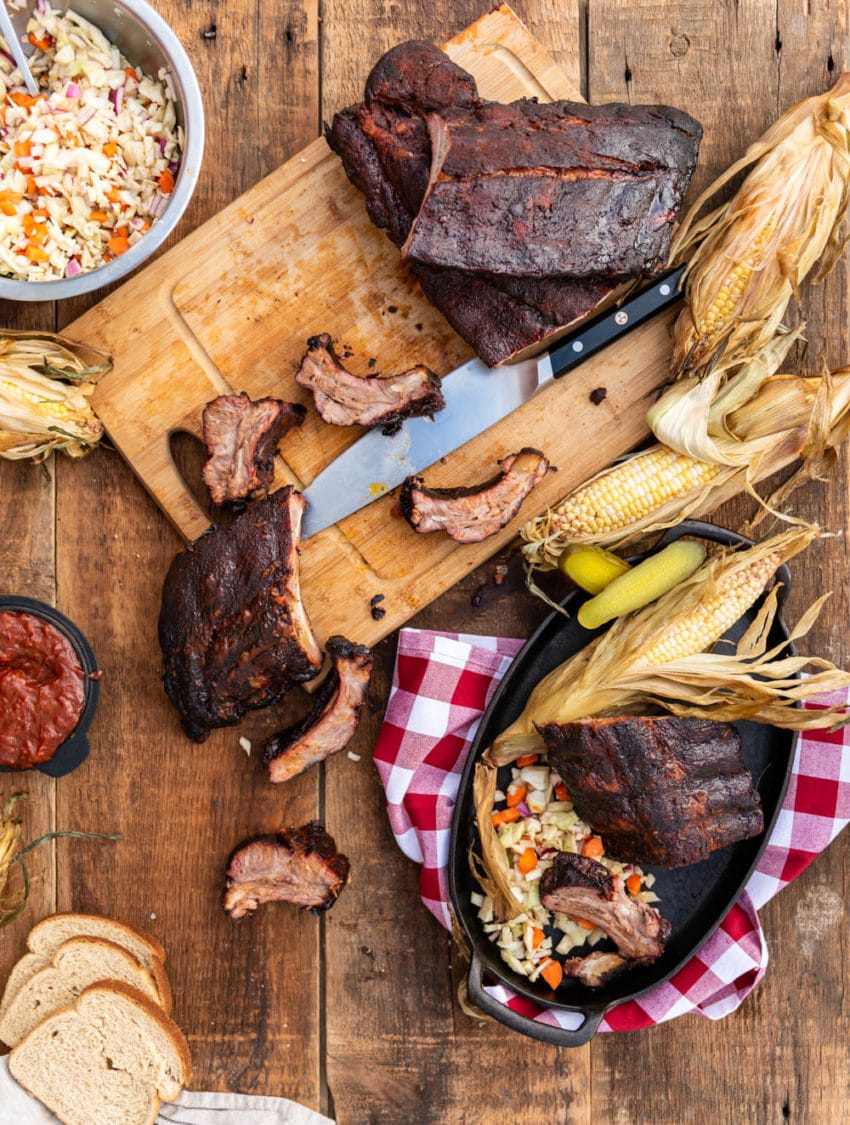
[42,690]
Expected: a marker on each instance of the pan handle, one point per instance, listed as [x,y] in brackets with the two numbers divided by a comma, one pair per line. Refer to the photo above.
[558,1036]
[702,530]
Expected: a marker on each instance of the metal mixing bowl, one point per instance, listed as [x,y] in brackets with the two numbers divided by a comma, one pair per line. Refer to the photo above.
[147,41]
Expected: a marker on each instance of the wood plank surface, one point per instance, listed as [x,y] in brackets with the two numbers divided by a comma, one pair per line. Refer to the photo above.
[355,1013]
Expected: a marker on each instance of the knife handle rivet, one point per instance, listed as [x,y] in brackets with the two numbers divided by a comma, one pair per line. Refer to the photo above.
[664,290]
[578,346]
[621,317]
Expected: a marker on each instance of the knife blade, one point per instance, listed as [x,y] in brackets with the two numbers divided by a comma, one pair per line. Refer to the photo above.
[477,396]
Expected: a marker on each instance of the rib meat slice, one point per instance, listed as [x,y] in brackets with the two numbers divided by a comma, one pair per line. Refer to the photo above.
[555,189]
[333,721]
[298,865]
[344,399]
[472,514]
[660,790]
[580,886]
[233,630]
[596,969]
[241,437]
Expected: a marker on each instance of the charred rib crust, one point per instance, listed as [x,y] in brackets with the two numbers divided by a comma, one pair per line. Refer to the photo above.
[658,789]
[596,969]
[233,631]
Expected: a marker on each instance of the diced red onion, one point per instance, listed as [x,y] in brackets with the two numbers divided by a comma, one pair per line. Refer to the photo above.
[116,97]
[173,165]
[73,90]
[162,145]
[72,268]
[87,114]
[523,809]
[157,206]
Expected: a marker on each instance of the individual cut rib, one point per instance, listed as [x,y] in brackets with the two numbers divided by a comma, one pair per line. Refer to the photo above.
[241,437]
[234,632]
[333,721]
[595,969]
[298,865]
[659,790]
[469,515]
[554,189]
[582,887]
[344,399]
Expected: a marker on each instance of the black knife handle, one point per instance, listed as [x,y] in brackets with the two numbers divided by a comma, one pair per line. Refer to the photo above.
[610,326]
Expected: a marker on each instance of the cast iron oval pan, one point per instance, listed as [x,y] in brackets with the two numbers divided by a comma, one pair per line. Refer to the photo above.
[694,899]
[75,749]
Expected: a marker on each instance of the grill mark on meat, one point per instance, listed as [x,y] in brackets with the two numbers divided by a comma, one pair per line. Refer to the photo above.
[580,886]
[344,399]
[386,152]
[297,865]
[234,632]
[241,437]
[661,789]
[332,723]
[469,515]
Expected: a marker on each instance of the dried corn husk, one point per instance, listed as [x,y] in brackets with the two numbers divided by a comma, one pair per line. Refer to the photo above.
[493,871]
[788,416]
[657,657]
[45,385]
[747,258]
[12,857]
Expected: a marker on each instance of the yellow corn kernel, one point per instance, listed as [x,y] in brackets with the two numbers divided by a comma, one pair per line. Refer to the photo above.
[723,306]
[707,622]
[45,405]
[630,491]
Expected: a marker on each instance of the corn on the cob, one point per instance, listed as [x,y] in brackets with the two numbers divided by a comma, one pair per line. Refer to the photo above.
[45,384]
[747,258]
[656,658]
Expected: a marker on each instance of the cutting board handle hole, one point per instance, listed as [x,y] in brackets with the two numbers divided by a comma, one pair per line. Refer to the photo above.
[188,453]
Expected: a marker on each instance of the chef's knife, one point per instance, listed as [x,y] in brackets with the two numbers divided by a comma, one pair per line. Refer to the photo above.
[477,396]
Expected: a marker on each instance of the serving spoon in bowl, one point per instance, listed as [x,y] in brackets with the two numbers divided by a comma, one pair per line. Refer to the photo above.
[16,49]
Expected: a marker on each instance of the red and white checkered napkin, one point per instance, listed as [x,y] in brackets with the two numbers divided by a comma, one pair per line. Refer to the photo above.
[441,686]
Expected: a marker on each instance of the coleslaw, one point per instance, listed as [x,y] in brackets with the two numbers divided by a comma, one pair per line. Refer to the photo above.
[87,165]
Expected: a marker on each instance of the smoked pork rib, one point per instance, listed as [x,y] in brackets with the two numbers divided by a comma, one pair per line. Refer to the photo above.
[298,865]
[385,147]
[554,189]
[233,631]
[333,721]
[386,152]
[659,790]
[241,437]
[580,886]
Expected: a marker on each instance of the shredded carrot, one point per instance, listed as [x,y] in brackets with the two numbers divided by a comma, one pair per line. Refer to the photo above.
[166,182]
[128,70]
[118,245]
[146,225]
[25,100]
[112,195]
[41,213]
[633,884]
[122,232]
[36,254]
[560,791]
[527,861]
[528,760]
[536,937]
[584,922]
[23,148]
[505,816]
[552,973]
[43,44]
[593,847]
[516,795]
[99,216]
[110,148]
[10,197]
[8,208]
[107,257]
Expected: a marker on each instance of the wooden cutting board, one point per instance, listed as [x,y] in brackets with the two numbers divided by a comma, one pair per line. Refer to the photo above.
[231,307]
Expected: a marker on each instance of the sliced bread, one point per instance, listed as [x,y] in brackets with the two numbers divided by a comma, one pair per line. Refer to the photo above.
[109,1059]
[75,965]
[46,937]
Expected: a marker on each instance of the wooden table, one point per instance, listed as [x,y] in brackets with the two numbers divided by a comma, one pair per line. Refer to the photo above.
[355,1013]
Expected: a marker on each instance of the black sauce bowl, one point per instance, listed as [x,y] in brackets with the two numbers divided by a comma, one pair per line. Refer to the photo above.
[75,749]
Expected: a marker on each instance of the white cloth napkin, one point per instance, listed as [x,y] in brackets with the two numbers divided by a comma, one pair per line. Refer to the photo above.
[18,1108]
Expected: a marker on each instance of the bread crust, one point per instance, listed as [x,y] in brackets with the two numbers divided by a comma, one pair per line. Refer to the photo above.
[46,923]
